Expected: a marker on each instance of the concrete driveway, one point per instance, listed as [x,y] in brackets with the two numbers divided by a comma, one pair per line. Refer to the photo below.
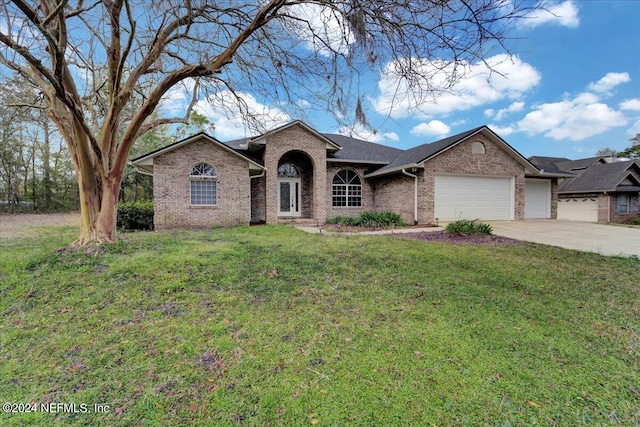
[582,236]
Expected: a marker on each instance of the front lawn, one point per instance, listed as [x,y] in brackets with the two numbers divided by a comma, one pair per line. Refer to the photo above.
[272,326]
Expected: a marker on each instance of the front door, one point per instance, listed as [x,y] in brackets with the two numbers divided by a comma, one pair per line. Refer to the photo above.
[289,197]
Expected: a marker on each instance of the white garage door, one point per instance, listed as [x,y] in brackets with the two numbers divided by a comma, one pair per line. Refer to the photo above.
[473,197]
[578,209]
[537,198]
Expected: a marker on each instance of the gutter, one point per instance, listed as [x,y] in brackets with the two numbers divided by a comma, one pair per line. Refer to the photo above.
[415,195]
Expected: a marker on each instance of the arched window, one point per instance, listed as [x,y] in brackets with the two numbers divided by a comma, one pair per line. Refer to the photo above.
[477,148]
[346,189]
[288,170]
[204,185]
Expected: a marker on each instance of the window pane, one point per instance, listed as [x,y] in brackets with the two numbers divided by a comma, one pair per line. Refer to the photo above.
[203,169]
[204,192]
[285,197]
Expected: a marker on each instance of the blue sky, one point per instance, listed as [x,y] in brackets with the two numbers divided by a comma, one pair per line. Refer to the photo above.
[571,88]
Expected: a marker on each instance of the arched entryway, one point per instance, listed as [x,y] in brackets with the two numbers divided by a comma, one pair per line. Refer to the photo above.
[295,186]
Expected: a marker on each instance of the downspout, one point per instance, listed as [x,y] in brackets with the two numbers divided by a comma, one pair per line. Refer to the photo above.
[608,207]
[415,195]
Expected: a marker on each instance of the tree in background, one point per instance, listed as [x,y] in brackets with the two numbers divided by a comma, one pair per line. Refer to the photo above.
[607,152]
[634,150]
[105,66]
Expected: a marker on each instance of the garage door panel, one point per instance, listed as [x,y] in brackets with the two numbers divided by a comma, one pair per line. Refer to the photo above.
[473,197]
[537,198]
[578,209]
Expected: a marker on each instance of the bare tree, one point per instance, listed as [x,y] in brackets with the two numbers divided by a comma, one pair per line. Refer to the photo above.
[105,65]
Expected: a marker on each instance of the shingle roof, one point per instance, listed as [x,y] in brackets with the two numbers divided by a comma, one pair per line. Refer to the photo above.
[422,152]
[576,165]
[361,151]
[601,177]
[549,164]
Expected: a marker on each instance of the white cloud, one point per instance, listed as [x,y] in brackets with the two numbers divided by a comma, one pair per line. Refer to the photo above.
[505,77]
[564,14]
[502,130]
[634,129]
[176,99]
[630,104]
[489,112]
[571,119]
[391,136]
[360,132]
[231,119]
[434,127]
[608,82]
[513,108]
[321,28]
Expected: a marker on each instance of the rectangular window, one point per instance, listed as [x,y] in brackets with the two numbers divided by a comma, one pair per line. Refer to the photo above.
[347,195]
[623,204]
[204,193]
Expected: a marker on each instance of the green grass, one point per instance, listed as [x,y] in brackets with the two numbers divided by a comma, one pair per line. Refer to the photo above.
[271,326]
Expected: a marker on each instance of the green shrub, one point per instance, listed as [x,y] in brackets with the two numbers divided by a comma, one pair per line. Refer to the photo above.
[369,219]
[135,216]
[634,221]
[465,226]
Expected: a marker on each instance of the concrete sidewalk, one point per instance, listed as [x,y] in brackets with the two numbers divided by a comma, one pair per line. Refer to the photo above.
[320,230]
[583,236]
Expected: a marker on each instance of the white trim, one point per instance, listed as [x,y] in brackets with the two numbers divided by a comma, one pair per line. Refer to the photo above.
[292,196]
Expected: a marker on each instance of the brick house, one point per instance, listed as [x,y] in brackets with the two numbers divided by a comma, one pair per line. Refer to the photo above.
[600,189]
[295,173]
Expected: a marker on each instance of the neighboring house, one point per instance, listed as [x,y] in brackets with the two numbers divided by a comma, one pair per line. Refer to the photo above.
[294,173]
[604,189]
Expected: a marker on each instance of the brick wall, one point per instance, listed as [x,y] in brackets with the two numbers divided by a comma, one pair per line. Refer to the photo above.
[258,200]
[620,218]
[171,188]
[396,193]
[459,159]
[367,190]
[554,198]
[297,139]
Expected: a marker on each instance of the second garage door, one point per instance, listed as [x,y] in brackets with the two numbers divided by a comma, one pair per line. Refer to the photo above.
[578,209]
[473,197]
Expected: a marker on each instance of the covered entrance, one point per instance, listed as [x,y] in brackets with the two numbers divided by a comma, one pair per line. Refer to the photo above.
[294,191]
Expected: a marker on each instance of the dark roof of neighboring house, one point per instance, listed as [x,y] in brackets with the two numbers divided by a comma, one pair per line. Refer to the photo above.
[601,177]
[361,151]
[547,162]
[576,165]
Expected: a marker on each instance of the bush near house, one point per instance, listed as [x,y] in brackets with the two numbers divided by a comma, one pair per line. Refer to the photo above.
[369,219]
[466,226]
[135,216]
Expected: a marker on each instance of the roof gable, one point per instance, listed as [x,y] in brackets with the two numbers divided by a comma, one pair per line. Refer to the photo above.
[600,177]
[418,155]
[261,139]
[144,163]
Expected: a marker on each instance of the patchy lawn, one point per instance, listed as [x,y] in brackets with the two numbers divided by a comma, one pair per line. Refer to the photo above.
[272,326]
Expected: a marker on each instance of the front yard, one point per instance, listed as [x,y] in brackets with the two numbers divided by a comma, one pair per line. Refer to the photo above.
[272,326]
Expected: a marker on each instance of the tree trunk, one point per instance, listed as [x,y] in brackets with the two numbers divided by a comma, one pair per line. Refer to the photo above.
[98,209]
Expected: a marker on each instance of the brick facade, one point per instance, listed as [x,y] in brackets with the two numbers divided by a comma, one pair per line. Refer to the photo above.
[305,145]
[460,159]
[171,188]
[242,199]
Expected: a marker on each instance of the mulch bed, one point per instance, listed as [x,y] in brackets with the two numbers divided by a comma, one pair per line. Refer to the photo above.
[441,236]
